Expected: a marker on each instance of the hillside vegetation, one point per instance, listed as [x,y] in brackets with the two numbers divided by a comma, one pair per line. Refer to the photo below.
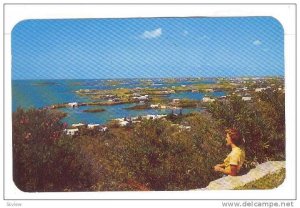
[150,155]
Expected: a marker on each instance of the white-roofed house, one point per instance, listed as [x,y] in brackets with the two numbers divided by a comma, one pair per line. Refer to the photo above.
[92,126]
[260,89]
[176,100]
[124,123]
[103,128]
[208,100]
[73,104]
[246,98]
[71,132]
[78,125]
[154,106]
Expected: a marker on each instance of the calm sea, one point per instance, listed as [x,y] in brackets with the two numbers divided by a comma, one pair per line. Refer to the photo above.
[41,93]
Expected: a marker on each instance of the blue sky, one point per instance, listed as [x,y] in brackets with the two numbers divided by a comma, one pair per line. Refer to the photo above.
[147,47]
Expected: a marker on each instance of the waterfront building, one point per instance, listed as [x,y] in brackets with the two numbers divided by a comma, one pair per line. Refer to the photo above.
[73,104]
[78,125]
[92,126]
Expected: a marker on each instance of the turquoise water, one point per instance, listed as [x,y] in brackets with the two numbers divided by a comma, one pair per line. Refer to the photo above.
[41,93]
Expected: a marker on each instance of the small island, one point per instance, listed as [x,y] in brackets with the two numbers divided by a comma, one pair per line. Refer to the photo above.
[139,107]
[94,110]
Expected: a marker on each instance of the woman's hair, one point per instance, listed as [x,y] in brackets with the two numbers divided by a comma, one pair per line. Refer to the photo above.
[234,135]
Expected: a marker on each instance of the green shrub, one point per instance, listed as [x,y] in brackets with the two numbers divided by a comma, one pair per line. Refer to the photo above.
[34,134]
[261,122]
[44,159]
[162,157]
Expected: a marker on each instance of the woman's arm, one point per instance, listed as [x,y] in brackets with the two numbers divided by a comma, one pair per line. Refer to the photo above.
[221,165]
[232,171]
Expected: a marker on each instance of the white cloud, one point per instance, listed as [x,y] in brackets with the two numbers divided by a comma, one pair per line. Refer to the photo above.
[152,34]
[257,42]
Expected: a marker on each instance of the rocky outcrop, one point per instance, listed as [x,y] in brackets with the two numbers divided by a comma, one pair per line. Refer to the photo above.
[267,175]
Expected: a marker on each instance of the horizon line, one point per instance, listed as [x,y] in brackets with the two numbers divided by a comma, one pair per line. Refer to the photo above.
[212,77]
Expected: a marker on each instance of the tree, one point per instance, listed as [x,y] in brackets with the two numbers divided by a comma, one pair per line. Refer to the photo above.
[34,133]
[43,158]
[261,123]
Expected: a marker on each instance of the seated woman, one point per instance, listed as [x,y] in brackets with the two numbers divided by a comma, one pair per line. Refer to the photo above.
[234,161]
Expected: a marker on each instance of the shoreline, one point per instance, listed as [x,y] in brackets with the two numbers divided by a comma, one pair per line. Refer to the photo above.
[161,98]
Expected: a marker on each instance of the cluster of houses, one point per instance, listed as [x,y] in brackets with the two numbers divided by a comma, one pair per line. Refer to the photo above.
[140,98]
[243,92]
[127,121]
[76,128]
[132,120]
[161,106]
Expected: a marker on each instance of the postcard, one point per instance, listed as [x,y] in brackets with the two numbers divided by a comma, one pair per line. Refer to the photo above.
[149,105]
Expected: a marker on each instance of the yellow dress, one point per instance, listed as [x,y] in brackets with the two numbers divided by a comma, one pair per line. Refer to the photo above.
[235,157]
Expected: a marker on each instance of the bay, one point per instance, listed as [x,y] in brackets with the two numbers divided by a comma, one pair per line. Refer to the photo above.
[42,93]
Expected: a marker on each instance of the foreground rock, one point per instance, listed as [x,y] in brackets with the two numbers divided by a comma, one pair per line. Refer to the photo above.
[267,175]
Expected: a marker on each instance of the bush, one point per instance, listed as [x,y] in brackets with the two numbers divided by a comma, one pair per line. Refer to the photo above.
[44,159]
[150,155]
[162,157]
[34,133]
[261,122]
